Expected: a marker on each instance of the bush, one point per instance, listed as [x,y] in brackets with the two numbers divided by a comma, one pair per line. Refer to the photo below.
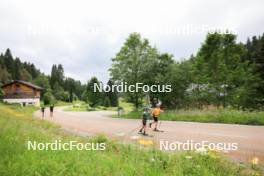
[48,98]
[107,102]
[1,94]
[62,95]
[89,108]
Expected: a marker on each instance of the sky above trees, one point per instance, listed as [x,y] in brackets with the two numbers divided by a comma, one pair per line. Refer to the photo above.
[85,35]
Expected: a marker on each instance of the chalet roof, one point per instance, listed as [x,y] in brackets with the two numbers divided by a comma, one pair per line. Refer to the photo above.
[23,82]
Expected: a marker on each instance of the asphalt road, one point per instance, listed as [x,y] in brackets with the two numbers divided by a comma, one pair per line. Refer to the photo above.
[249,139]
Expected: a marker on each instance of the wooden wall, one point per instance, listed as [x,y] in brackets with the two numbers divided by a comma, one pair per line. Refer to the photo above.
[20,88]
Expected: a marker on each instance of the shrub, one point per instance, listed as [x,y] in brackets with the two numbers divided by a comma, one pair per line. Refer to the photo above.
[107,102]
[48,98]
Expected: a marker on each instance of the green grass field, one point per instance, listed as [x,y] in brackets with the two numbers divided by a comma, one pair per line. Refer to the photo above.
[215,116]
[17,127]
[82,106]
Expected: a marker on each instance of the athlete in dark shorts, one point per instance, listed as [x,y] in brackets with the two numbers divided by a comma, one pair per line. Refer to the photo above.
[43,111]
[51,110]
[145,116]
[155,114]
[155,118]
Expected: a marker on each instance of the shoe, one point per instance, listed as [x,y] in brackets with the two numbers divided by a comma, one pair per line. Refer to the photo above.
[155,129]
[145,134]
[140,131]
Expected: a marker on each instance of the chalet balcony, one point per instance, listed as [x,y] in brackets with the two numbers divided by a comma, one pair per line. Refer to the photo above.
[18,95]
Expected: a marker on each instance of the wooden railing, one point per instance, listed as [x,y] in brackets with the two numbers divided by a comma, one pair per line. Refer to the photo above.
[20,95]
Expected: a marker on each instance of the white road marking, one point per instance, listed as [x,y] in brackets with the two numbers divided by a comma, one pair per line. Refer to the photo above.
[134,137]
[120,134]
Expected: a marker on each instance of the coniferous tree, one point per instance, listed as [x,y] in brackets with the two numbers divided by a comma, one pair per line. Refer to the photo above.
[9,62]
[112,95]
[94,98]
[14,69]
[219,70]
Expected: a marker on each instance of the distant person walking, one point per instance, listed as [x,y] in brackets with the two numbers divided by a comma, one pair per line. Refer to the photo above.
[51,110]
[155,114]
[43,111]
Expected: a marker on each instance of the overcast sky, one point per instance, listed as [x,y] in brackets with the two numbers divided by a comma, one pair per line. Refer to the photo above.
[85,35]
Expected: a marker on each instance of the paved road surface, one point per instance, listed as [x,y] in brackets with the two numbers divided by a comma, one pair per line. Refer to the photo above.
[250,139]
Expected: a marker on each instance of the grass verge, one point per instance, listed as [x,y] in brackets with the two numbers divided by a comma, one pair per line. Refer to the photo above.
[214,116]
[82,106]
[17,127]
[85,107]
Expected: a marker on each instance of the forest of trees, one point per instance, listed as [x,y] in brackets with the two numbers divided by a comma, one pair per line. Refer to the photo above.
[55,86]
[99,98]
[223,73]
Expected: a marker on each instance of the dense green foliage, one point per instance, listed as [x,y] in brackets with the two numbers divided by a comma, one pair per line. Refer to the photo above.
[13,68]
[48,98]
[17,127]
[223,73]
[57,85]
[220,77]
[1,93]
[138,62]
[95,97]
[255,55]
[111,97]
